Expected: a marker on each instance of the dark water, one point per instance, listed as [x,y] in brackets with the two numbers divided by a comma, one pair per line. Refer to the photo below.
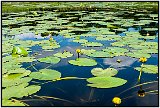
[77,92]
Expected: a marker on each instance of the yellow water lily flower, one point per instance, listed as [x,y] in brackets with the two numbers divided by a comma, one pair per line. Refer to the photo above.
[143,59]
[36,33]
[78,50]
[141,93]
[119,61]
[116,100]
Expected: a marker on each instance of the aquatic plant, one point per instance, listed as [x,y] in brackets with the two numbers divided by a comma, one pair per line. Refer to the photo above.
[50,59]
[99,72]
[67,22]
[78,51]
[46,74]
[143,60]
[83,62]
[19,51]
[116,101]
[105,82]
[65,54]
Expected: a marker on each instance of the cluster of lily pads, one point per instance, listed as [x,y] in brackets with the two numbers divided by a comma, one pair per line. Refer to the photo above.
[79,27]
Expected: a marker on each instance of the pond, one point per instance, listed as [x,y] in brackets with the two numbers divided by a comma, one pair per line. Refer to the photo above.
[80,54]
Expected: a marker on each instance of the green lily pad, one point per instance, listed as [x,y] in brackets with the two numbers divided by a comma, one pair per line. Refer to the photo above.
[7,82]
[80,40]
[151,69]
[137,54]
[87,51]
[64,54]
[23,59]
[149,51]
[18,70]
[50,59]
[50,47]
[151,29]
[12,103]
[46,74]
[11,65]
[105,82]
[147,37]
[92,44]
[109,37]
[99,72]
[83,62]
[115,49]
[19,91]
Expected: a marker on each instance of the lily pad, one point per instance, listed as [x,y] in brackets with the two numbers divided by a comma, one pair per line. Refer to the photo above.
[87,51]
[64,54]
[6,82]
[18,70]
[50,47]
[80,40]
[151,69]
[20,51]
[6,102]
[115,49]
[83,62]
[137,54]
[105,82]
[50,59]
[109,37]
[19,91]
[46,74]
[99,72]
[92,44]
[23,59]
[151,29]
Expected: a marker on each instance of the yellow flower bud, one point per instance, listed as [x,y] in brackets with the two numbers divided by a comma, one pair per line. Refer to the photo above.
[116,100]
[78,50]
[118,60]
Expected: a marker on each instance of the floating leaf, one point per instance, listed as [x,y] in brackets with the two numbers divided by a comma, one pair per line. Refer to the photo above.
[115,49]
[46,74]
[137,54]
[19,51]
[80,40]
[7,82]
[152,69]
[87,51]
[151,29]
[19,91]
[92,44]
[23,59]
[50,47]
[18,70]
[105,82]
[50,59]
[83,62]
[109,37]
[12,103]
[99,72]
[64,54]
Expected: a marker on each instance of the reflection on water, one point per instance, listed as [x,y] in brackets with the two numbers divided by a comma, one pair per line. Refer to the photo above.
[76,91]
[125,61]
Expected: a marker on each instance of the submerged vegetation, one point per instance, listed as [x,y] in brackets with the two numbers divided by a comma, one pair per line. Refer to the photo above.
[52,50]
